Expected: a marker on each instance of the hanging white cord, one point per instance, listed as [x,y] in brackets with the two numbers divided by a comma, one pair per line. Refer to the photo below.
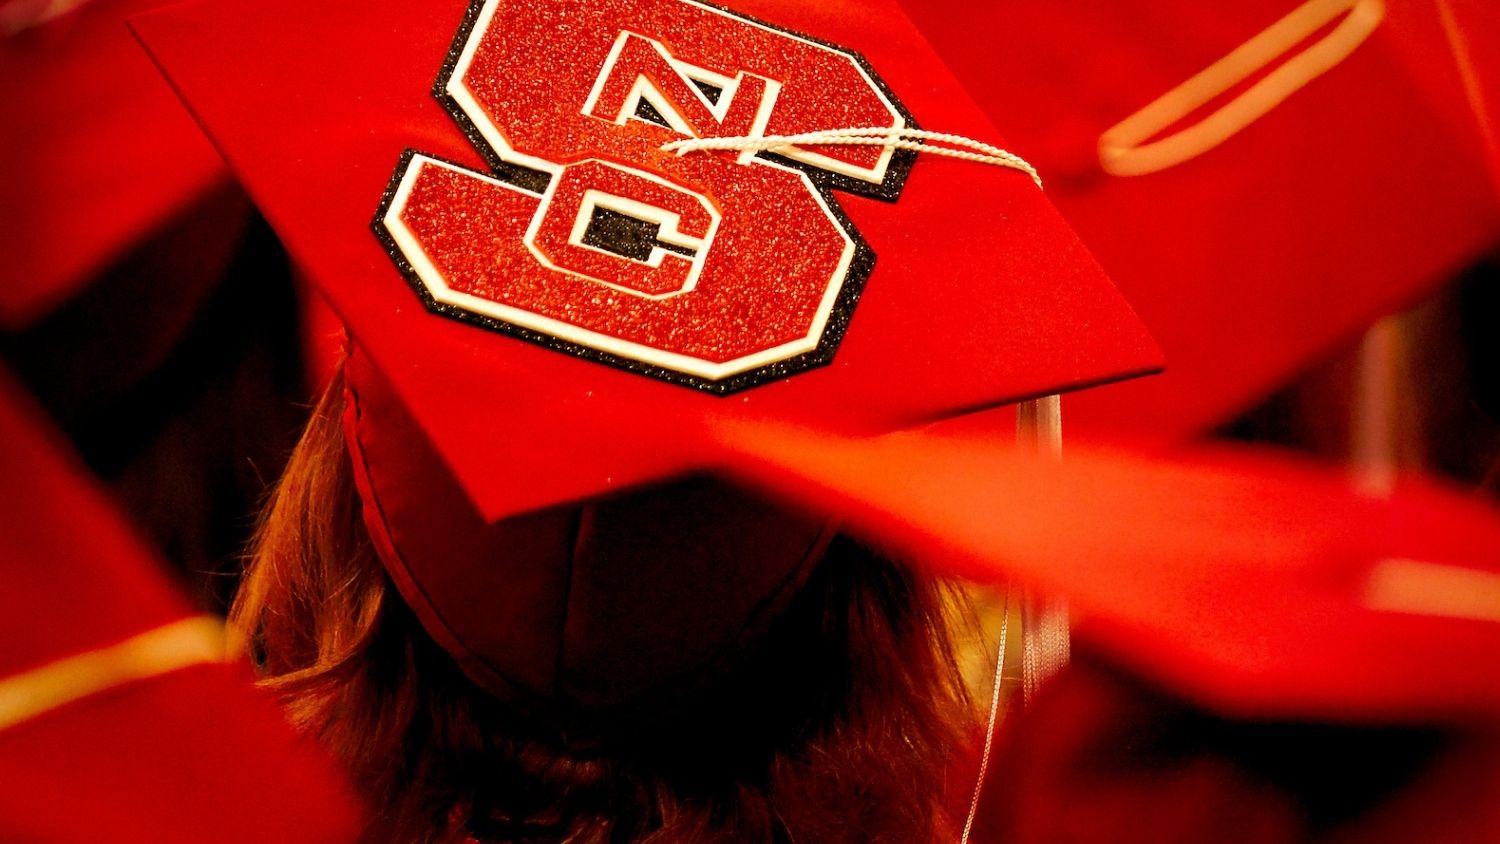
[1044,621]
[917,140]
[1375,420]
[989,729]
[905,139]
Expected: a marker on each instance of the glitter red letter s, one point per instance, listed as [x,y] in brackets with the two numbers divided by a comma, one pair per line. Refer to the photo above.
[717,270]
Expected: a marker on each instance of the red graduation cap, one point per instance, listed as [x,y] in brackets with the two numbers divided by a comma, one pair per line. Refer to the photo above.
[1102,756]
[1251,584]
[552,306]
[100,156]
[1261,179]
[118,722]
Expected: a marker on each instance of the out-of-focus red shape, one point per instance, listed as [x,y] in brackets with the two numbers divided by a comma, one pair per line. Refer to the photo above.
[192,755]
[1254,585]
[1353,197]
[1099,756]
[99,154]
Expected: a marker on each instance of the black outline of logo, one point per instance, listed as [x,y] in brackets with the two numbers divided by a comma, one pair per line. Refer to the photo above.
[537,181]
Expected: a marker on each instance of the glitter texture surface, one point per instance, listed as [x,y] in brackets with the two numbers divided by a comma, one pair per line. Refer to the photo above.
[555,86]
[768,269]
[538,61]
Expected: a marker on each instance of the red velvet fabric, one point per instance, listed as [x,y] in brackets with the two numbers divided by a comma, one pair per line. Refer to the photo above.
[980,294]
[1352,198]
[189,756]
[580,609]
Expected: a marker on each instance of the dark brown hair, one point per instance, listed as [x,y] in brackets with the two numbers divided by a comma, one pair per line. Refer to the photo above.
[844,721]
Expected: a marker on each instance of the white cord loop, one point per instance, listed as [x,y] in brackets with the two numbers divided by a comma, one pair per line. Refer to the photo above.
[917,140]
[989,729]
[1126,149]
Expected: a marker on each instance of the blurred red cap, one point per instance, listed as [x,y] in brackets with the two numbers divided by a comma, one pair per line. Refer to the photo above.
[1253,223]
[1252,584]
[101,156]
[1101,756]
[118,721]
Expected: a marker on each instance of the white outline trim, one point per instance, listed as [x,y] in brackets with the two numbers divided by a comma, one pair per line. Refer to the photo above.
[634,208]
[643,89]
[436,284]
[875,175]
[609,65]
[459,91]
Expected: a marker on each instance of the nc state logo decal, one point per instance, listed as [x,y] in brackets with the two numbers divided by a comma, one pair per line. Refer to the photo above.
[718,270]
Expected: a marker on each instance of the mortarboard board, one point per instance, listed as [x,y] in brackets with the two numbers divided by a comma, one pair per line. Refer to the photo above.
[613,298]
[118,720]
[1252,584]
[1262,180]
[102,159]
